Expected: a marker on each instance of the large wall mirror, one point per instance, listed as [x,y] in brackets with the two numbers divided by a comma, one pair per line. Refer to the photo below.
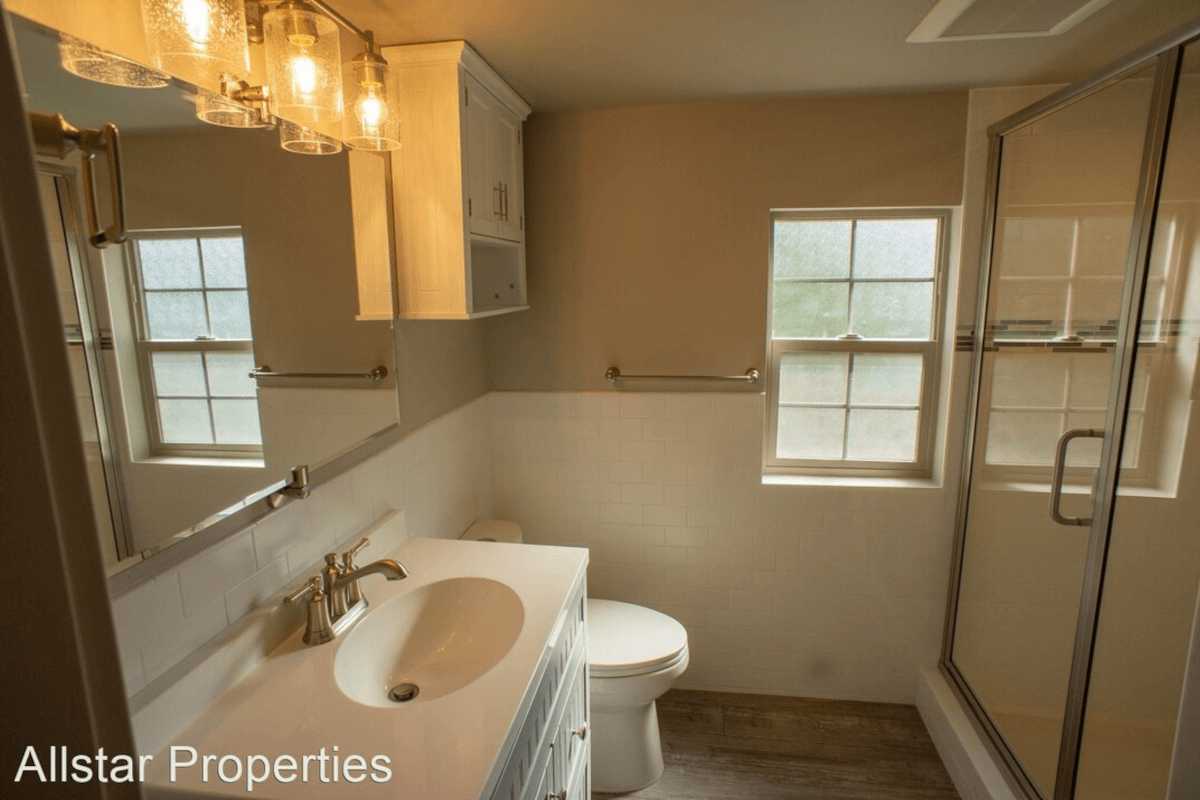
[241,255]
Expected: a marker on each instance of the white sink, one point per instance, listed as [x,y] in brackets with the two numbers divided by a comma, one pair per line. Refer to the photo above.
[440,637]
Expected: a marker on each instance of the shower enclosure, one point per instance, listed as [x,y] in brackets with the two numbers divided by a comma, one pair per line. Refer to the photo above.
[1078,550]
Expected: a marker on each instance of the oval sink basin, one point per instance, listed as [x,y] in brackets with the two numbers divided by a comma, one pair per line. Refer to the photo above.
[440,637]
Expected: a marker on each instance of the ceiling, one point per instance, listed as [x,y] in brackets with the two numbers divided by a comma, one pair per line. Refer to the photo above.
[562,54]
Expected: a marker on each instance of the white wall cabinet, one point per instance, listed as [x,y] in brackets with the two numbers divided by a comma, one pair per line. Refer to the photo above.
[457,185]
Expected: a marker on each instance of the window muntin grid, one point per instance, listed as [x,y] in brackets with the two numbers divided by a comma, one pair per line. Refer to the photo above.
[851,298]
[195,342]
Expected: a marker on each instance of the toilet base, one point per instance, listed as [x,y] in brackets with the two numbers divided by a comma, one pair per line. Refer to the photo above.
[626,750]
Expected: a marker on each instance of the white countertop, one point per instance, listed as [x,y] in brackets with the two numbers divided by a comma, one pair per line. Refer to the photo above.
[445,747]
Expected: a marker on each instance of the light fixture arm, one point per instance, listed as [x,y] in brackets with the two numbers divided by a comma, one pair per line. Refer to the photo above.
[333,14]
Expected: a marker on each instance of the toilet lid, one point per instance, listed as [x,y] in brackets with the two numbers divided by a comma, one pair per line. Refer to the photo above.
[624,637]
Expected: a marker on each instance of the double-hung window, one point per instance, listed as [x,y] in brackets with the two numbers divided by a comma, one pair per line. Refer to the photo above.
[195,350]
[854,340]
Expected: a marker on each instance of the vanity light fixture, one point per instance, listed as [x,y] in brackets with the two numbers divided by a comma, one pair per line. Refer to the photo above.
[88,61]
[372,119]
[203,41]
[240,106]
[304,57]
[299,139]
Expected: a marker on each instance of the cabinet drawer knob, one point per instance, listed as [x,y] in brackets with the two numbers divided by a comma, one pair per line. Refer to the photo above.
[581,731]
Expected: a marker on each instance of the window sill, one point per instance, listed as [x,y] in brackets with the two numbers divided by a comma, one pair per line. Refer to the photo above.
[1124,489]
[197,461]
[850,481]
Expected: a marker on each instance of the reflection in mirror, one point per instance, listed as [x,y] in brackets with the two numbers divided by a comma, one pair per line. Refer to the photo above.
[240,254]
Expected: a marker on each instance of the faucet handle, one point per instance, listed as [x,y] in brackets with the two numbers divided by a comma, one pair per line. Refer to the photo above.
[348,556]
[353,592]
[313,587]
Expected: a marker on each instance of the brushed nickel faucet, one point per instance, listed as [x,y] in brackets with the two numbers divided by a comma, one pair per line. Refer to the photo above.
[334,597]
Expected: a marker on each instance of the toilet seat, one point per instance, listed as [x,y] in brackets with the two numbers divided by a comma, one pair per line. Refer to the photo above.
[626,640]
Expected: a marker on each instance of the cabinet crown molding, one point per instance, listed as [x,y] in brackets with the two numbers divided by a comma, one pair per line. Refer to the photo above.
[458,51]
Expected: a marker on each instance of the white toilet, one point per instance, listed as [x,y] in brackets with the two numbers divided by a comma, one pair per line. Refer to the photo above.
[635,654]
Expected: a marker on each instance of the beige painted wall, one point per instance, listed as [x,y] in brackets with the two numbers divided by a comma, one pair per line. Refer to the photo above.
[649,227]
[440,365]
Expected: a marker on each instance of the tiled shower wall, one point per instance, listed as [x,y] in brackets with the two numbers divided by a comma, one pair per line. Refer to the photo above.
[793,589]
[440,475]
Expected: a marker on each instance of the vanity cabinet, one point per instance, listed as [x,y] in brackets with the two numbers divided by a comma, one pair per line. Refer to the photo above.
[549,757]
[457,185]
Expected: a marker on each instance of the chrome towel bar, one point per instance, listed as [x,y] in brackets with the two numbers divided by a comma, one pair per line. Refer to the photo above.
[612,375]
[377,374]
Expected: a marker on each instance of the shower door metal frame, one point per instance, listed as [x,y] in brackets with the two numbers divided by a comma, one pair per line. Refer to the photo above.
[82,272]
[1166,55]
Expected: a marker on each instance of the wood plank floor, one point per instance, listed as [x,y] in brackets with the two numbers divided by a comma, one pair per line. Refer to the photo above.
[719,746]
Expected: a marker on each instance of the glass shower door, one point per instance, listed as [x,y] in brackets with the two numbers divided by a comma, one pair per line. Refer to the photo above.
[1068,183]
[1149,594]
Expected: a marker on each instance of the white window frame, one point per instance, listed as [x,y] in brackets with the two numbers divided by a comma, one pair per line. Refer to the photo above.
[146,347]
[930,351]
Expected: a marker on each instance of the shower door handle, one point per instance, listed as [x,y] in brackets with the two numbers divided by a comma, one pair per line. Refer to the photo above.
[1060,463]
[54,136]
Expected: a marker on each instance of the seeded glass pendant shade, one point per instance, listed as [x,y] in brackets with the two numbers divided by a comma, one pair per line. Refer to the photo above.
[203,41]
[299,139]
[372,119]
[304,57]
[88,61]
[217,110]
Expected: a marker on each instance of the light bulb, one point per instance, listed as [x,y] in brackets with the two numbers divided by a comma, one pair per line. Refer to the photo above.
[304,75]
[195,21]
[371,111]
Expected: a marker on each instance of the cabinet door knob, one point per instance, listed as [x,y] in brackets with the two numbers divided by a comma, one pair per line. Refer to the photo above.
[581,731]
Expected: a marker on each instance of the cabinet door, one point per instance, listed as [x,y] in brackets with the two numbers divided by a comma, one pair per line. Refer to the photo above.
[508,173]
[483,190]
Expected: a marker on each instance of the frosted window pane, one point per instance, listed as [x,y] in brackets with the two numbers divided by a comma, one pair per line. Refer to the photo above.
[895,248]
[809,310]
[893,310]
[1085,452]
[812,249]
[1034,246]
[229,374]
[1023,438]
[230,314]
[810,433]
[1090,376]
[224,262]
[1037,378]
[236,421]
[891,379]
[1096,306]
[185,421]
[1103,246]
[813,378]
[176,315]
[169,263]
[1023,300]
[881,435]
[178,375]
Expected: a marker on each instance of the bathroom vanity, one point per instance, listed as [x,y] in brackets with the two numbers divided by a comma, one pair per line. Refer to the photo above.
[494,637]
